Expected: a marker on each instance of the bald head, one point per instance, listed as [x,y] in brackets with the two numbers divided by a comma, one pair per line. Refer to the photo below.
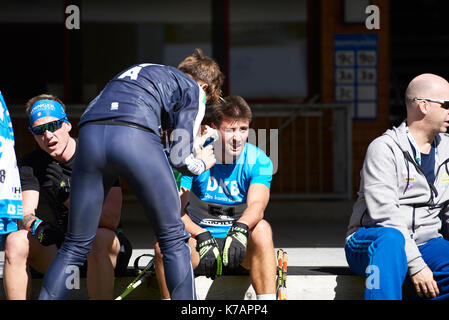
[427,85]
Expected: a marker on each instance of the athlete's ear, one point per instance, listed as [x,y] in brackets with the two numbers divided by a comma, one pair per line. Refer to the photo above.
[423,106]
[213,126]
[69,126]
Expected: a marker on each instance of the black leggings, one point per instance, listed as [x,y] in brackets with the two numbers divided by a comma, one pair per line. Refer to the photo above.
[106,152]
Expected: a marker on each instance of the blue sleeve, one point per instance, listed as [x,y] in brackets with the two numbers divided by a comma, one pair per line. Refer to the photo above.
[186,182]
[262,171]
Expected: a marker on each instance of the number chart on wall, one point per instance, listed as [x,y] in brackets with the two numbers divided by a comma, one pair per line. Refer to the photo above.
[356,70]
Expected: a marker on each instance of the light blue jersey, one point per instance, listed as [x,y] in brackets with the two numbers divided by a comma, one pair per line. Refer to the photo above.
[10,189]
[218,196]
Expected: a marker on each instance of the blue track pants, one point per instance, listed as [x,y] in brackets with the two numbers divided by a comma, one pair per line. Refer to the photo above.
[379,255]
[106,152]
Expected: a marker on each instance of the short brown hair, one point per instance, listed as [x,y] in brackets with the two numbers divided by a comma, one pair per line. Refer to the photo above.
[204,68]
[234,107]
[43,96]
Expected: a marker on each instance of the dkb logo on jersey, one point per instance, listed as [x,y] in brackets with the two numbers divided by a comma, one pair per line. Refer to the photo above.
[222,187]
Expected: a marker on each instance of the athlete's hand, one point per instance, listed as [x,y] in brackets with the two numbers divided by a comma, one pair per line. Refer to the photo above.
[207,156]
[203,146]
[46,233]
[210,259]
[425,285]
[206,133]
[60,181]
[235,245]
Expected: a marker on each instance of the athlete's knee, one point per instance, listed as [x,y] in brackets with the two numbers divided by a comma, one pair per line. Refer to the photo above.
[17,246]
[262,234]
[392,237]
[75,252]
[173,241]
[105,243]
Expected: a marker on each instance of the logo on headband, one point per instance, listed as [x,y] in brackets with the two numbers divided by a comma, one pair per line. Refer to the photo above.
[46,108]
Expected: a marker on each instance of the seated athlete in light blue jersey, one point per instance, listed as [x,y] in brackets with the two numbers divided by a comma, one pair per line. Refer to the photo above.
[224,206]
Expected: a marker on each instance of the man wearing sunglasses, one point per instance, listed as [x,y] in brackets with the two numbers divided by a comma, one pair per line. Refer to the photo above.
[47,172]
[400,219]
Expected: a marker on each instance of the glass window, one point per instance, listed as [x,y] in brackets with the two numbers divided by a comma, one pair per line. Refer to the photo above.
[268,53]
[118,34]
[32,48]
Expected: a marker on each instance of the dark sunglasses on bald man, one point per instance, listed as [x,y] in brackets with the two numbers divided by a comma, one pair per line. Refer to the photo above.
[444,103]
[50,126]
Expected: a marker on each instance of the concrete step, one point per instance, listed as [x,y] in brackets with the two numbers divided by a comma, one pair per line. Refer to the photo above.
[312,274]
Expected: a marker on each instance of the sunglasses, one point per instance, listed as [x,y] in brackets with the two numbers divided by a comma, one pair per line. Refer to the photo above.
[444,103]
[50,126]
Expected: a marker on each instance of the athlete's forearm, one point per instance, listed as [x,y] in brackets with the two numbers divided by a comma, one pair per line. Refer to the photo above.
[192,227]
[30,201]
[253,214]
[257,200]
